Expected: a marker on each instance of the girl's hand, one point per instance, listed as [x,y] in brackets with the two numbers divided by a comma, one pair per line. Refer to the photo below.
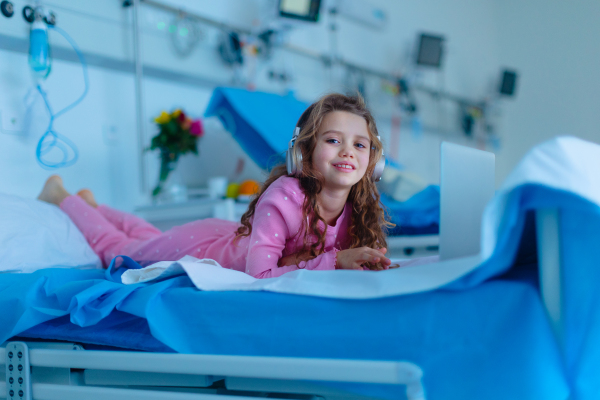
[294,259]
[355,258]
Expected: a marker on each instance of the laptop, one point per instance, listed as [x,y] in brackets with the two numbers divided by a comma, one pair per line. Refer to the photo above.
[467,184]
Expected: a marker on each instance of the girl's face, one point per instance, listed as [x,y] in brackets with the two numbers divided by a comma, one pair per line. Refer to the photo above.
[343,148]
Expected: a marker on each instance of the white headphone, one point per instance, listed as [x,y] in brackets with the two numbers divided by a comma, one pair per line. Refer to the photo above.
[293,159]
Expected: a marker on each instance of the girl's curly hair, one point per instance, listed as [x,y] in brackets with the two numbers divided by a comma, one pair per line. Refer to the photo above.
[368,221]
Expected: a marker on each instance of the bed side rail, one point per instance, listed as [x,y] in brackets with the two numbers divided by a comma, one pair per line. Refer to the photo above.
[549,265]
[312,369]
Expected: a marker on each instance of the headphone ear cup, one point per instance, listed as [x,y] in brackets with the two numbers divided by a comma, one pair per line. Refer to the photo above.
[289,162]
[379,167]
[378,170]
[297,155]
[293,161]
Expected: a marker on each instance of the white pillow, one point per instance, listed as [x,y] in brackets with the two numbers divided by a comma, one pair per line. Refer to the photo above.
[35,234]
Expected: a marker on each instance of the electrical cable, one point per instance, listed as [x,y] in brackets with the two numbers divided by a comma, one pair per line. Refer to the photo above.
[51,139]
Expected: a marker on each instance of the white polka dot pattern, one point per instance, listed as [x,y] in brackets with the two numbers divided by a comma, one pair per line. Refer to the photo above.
[276,216]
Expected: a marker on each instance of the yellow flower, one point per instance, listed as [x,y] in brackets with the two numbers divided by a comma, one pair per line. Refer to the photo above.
[176,113]
[163,118]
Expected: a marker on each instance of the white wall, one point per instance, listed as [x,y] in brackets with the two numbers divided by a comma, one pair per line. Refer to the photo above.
[553,45]
[103,126]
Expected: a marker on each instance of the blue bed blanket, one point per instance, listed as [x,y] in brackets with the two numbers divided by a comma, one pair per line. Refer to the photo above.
[490,342]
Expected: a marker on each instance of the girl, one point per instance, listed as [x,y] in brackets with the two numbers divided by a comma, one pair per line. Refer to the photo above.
[325,216]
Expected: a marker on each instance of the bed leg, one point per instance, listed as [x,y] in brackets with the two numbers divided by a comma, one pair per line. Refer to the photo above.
[548,248]
[410,375]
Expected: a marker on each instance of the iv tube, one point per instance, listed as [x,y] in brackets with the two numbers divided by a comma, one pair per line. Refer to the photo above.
[52,139]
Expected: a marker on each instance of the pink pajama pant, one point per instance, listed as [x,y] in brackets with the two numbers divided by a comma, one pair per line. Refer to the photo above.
[108,231]
[111,233]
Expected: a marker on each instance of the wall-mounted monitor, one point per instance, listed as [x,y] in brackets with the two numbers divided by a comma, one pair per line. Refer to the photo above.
[508,83]
[306,10]
[430,50]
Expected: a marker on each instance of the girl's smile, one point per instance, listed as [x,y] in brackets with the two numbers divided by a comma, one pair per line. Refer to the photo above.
[345,166]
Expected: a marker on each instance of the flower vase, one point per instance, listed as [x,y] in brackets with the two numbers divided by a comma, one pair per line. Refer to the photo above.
[170,187]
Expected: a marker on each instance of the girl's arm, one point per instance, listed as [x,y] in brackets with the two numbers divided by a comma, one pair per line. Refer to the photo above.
[346,259]
[277,218]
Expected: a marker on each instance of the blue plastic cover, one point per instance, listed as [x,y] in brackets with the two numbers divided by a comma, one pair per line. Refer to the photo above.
[262,123]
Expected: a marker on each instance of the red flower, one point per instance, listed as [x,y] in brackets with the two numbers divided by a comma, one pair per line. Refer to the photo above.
[182,117]
[185,125]
[196,129]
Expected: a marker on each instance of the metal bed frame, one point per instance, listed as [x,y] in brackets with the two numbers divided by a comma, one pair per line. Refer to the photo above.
[413,245]
[66,371]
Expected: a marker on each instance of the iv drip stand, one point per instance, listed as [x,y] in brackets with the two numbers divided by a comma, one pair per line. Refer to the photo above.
[139,95]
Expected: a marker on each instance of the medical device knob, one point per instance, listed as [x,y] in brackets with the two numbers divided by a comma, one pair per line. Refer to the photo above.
[7,8]
[50,18]
[28,14]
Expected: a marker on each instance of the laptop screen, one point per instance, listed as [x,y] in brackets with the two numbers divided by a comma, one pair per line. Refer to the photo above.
[467,183]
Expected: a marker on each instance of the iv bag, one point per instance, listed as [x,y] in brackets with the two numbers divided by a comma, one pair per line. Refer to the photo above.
[39,57]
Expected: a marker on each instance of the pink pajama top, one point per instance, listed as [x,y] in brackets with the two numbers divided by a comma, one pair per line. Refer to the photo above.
[276,233]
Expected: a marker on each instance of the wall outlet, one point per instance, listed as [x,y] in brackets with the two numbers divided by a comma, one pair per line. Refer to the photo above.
[110,134]
[11,122]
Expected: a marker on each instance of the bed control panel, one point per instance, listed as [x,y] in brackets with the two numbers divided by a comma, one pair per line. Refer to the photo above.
[18,384]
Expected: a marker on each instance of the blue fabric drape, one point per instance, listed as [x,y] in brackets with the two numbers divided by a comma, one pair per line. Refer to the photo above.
[262,123]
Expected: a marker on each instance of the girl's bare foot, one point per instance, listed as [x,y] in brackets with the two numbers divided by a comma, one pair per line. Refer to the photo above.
[54,192]
[88,196]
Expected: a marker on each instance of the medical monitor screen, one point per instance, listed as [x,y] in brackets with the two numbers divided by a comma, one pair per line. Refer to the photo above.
[306,10]
[430,50]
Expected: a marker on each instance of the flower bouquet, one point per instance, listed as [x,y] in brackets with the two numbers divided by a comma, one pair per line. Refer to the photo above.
[178,134]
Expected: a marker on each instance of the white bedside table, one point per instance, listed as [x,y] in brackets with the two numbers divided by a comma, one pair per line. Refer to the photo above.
[165,216]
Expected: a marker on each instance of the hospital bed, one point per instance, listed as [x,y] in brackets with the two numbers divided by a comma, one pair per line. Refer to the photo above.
[119,357]
[417,223]
[67,371]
